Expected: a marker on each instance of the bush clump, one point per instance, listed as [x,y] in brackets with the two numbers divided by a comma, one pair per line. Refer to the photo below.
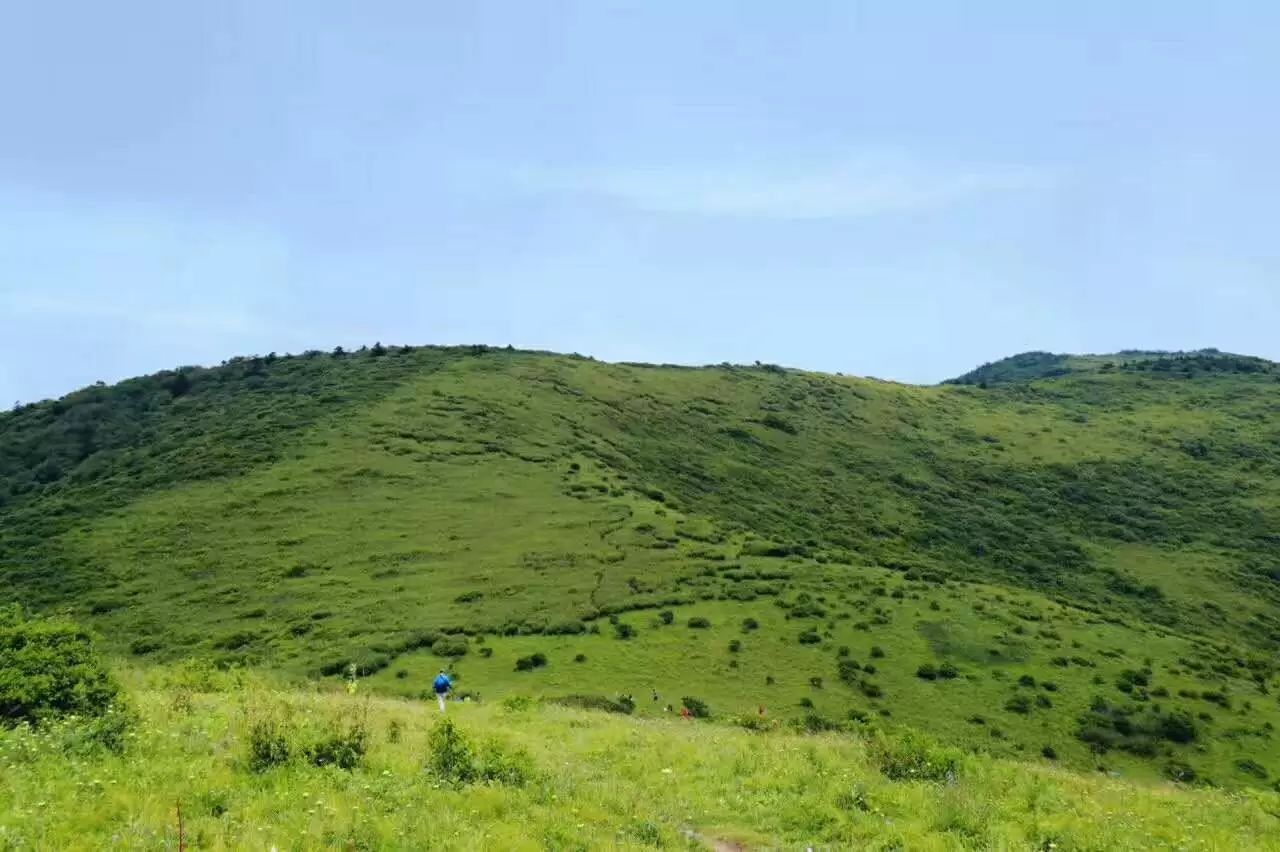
[453,758]
[49,668]
[450,646]
[699,623]
[624,704]
[269,744]
[532,661]
[909,757]
[697,708]
[343,747]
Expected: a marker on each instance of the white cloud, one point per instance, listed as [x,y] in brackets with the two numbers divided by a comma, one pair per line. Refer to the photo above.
[863,185]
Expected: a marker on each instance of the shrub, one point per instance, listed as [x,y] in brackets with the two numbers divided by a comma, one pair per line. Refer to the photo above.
[451,755]
[486,652]
[50,668]
[1049,752]
[1018,704]
[622,630]
[877,652]
[775,421]
[696,707]
[83,737]
[815,682]
[1252,767]
[927,672]
[809,637]
[623,705]
[1027,681]
[580,658]
[849,671]
[735,646]
[268,744]
[499,765]
[450,646]
[749,624]
[666,616]
[1177,727]
[806,702]
[147,645]
[344,747]
[909,757]
[947,671]
[699,623]
[869,689]
[531,662]
[812,723]
[842,651]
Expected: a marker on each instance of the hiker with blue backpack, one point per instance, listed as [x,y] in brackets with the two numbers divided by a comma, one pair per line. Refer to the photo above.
[443,686]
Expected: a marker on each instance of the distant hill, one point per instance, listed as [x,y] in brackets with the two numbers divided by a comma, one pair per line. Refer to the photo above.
[1084,554]
[1029,366]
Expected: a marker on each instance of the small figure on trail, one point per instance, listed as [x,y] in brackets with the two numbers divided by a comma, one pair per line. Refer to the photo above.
[761,711]
[443,685]
[655,695]
[352,672]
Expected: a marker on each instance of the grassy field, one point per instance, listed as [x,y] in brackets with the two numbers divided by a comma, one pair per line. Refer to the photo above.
[1076,569]
[544,776]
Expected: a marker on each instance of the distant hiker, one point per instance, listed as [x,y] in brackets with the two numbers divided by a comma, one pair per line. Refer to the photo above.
[761,711]
[443,686]
[655,695]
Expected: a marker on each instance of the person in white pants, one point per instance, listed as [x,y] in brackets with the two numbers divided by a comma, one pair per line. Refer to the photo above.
[443,686]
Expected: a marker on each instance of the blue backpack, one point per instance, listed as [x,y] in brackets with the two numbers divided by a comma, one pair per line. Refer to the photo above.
[442,683]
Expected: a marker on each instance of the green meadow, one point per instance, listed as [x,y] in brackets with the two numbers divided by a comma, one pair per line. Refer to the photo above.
[1065,569]
[520,774]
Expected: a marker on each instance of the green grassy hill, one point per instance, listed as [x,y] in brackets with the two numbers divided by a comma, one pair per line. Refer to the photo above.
[1083,568]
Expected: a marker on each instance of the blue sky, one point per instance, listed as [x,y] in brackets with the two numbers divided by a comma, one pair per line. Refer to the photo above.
[893,189]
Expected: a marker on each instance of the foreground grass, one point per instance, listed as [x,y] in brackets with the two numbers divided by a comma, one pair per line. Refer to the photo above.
[597,781]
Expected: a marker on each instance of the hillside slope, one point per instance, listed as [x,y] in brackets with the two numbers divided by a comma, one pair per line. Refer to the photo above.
[1085,562]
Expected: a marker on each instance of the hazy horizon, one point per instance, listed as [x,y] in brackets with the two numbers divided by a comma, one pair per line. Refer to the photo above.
[903,191]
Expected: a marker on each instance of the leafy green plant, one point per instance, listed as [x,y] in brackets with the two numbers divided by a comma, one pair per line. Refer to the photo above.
[50,667]
[530,662]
